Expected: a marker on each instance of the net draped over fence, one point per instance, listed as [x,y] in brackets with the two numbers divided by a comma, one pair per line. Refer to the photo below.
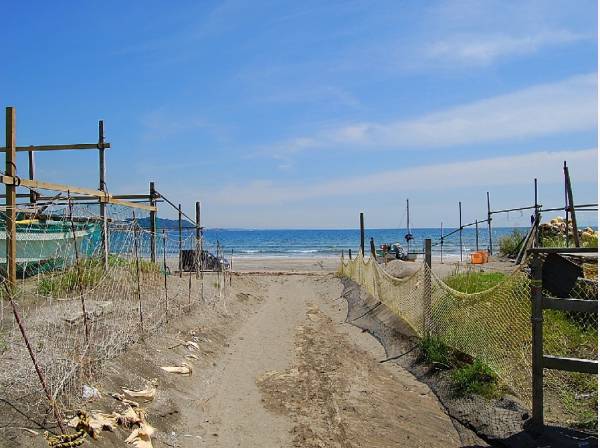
[493,326]
[61,267]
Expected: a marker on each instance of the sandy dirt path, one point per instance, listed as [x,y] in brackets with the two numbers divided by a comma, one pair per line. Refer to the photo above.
[296,375]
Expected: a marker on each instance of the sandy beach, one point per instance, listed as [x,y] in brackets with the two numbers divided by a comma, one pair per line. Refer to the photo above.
[331,264]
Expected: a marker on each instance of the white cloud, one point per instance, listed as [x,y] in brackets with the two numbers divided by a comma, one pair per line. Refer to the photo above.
[484,49]
[546,109]
[485,173]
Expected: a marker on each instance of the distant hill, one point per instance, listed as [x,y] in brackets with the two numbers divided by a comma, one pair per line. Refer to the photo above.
[165,223]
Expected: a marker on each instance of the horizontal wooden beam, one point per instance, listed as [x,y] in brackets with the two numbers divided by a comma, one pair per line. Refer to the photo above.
[562,250]
[577,305]
[570,364]
[72,147]
[103,196]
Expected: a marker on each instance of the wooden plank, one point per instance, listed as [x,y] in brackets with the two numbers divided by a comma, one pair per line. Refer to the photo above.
[577,305]
[106,197]
[72,147]
[11,198]
[571,364]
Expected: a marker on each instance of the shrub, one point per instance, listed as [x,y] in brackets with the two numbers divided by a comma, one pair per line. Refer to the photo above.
[509,244]
[434,351]
[472,282]
[477,378]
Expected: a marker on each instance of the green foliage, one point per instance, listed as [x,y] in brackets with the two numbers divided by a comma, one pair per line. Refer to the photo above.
[472,282]
[476,378]
[84,274]
[434,351]
[509,244]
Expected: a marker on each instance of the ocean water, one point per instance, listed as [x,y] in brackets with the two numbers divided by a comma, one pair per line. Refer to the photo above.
[331,243]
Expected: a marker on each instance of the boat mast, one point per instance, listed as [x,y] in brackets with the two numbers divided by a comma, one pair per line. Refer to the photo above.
[407,227]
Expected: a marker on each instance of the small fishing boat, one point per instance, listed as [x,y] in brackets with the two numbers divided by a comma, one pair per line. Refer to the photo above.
[44,245]
[390,251]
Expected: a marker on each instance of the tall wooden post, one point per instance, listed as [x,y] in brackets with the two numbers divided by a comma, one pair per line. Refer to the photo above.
[460,229]
[536,214]
[362,234]
[489,222]
[441,242]
[350,254]
[152,224]
[477,235]
[566,205]
[11,197]
[373,252]
[31,160]
[180,225]
[427,288]
[102,186]
[571,206]
[537,349]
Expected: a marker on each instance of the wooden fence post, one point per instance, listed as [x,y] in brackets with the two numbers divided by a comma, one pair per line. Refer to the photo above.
[31,160]
[11,197]
[197,248]
[137,270]
[180,225]
[537,349]
[362,234]
[164,240]
[373,252]
[427,289]
[441,242]
[489,223]
[460,229]
[350,254]
[477,235]
[152,224]
[102,186]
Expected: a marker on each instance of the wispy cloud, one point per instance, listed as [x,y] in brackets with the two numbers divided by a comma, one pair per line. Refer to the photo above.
[482,49]
[565,106]
[484,173]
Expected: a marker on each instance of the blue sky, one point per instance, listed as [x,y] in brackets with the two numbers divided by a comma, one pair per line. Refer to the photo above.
[302,114]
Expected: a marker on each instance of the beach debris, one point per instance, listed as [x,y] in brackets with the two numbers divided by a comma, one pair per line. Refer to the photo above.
[90,393]
[146,394]
[142,436]
[191,345]
[94,423]
[124,400]
[184,369]
[30,431]
[191,356]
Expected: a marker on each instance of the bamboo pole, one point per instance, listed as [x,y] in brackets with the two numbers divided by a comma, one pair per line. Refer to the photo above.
[11,198]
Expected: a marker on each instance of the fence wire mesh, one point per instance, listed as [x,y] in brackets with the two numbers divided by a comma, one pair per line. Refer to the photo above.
[494,326]
[61,271]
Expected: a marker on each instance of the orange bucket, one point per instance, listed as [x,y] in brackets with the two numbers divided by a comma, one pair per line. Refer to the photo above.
[478,258]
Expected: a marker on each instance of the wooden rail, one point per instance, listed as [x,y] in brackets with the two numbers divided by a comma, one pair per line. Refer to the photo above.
[103,196]
[73,147]
[539,361]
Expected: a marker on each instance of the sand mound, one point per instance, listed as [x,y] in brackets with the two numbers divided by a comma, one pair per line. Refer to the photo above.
[401,269]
